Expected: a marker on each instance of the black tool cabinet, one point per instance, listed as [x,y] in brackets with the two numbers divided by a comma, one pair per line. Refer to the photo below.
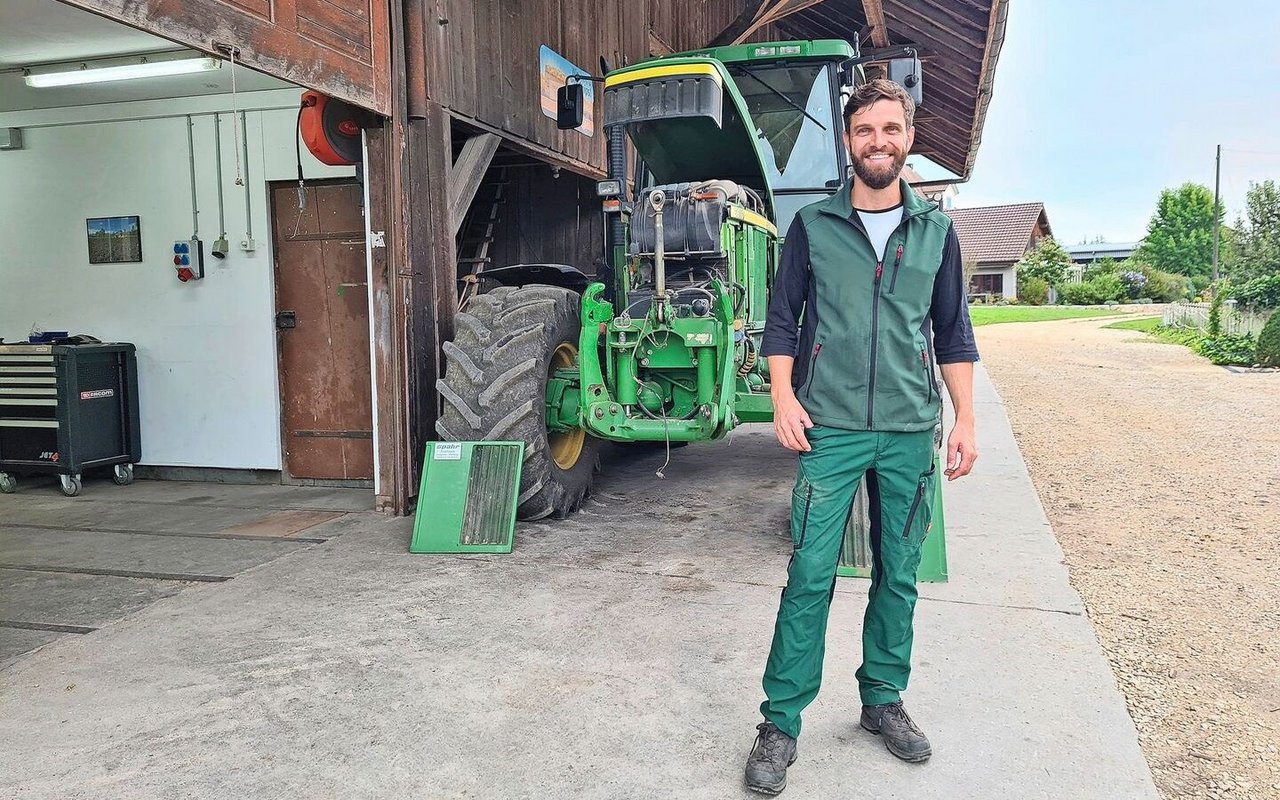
[65,408]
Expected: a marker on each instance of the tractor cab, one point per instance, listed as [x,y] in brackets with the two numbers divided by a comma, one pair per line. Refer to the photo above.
[782,100]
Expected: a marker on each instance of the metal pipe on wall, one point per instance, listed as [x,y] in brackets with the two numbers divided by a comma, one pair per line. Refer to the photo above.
[220,246]
[248,244]
[142,118]
[191,162]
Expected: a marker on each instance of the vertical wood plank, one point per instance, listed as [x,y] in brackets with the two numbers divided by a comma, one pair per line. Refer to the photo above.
[462,56]
[489,65]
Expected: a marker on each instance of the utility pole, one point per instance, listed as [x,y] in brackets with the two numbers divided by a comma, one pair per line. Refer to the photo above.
[1217,173]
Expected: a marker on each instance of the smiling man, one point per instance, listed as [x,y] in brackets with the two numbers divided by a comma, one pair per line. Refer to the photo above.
[869,297]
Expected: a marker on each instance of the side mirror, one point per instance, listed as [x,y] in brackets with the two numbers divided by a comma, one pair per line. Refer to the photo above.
[569,106]
[906,71]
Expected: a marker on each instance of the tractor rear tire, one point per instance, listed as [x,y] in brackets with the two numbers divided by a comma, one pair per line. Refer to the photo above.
[506,345]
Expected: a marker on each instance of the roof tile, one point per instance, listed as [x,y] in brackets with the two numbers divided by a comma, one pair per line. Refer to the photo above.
[996,233]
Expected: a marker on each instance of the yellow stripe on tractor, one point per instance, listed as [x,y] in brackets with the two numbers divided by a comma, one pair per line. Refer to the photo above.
[675,70]
[752,218]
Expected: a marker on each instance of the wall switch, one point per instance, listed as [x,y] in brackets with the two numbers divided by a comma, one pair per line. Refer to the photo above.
[248,245]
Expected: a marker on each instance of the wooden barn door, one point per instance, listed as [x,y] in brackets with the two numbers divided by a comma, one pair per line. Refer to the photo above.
[322,330]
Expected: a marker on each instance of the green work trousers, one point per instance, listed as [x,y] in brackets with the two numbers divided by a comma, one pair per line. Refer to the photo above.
[899,468]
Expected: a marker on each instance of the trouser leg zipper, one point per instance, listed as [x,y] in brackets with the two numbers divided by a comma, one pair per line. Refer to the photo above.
[915,506]
[804,519]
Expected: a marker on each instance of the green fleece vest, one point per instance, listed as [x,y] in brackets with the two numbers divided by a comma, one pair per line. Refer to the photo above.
[871,365]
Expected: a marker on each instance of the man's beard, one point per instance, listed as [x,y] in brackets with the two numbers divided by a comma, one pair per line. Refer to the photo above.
[879,178]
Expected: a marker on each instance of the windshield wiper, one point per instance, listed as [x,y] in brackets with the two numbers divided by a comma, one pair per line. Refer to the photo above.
[785,99]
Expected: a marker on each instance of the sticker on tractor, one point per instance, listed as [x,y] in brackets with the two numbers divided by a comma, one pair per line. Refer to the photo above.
[448,451]
[699,338]
[97,394]
[49,455]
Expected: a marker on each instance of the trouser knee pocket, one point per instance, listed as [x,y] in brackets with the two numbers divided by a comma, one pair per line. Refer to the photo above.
[920,515]
[801,504]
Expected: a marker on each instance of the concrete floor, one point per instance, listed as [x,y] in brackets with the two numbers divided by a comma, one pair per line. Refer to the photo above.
[613,655]
[68,566]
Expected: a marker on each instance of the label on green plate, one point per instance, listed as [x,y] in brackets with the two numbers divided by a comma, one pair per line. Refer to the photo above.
[448,451]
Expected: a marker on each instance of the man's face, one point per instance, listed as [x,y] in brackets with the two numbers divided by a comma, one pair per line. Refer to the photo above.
[878,140]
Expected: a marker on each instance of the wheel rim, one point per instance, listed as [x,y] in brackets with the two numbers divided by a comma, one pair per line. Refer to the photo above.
[566,447]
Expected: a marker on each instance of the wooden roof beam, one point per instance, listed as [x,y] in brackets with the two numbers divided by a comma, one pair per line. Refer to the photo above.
[757,15]
[874,11]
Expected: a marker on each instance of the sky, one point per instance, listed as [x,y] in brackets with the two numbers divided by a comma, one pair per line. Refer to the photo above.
[1097,106]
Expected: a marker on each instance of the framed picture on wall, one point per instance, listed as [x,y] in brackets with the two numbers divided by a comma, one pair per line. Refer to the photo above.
[114,240]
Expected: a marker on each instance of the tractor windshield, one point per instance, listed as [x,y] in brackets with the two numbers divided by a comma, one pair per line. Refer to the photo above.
[791,109]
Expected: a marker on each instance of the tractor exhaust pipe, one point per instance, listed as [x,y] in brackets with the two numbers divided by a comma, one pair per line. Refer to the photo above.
[657,199]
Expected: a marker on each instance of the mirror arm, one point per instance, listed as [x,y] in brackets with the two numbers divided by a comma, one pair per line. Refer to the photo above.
[880,55]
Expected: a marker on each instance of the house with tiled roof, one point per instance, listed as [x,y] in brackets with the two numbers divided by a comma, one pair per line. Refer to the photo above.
[993,239]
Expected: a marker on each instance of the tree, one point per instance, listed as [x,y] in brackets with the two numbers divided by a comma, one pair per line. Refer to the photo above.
[1103,266]
[1257,245]
[1046,261]
[1180,233]
[1269,342]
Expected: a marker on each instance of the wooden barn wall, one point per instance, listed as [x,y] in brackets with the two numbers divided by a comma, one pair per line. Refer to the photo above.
[489,70]
[549,220]
[340,47]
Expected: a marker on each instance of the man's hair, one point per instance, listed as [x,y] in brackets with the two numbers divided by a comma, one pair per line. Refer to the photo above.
[879,89]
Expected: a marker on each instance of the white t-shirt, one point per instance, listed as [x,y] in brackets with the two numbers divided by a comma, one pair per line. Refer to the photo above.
[880,226]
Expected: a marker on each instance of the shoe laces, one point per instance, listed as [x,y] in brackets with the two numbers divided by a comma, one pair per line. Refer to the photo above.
[897,711]
[772,740]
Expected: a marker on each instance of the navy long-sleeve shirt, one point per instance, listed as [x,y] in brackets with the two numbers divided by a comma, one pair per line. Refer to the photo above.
[952,331]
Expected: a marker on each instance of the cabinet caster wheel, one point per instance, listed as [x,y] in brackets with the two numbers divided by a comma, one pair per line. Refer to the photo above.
[70,485]
[123,474]
[8,484]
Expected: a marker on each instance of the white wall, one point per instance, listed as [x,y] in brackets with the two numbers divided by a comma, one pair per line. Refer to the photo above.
[206,349]
[1010,283]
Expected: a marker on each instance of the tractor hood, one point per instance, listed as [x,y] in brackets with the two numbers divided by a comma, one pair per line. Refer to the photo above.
[688,122]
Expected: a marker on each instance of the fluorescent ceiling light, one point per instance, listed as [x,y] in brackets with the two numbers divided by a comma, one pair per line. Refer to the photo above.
[117,70]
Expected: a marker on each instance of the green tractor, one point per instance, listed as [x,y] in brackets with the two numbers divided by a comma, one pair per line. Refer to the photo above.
[730,142]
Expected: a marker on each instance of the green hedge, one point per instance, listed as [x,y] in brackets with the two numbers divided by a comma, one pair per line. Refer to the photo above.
[1105,288]
[1268,353]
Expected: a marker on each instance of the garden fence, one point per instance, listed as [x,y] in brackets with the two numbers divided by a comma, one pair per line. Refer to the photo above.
[1196,315]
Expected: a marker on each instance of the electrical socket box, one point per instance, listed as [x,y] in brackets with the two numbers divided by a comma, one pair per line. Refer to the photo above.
[248,245]
[10,138]
[188,259]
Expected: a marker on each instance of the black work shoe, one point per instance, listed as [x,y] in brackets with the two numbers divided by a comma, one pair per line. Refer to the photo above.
[773,752]
[900,734]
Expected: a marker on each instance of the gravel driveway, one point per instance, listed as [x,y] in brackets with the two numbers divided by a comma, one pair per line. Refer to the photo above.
[1161,476]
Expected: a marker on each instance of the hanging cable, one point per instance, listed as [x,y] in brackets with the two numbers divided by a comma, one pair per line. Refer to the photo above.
[235,109]
[307,102]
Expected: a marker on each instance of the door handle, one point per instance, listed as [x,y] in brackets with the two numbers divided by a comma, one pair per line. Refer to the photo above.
[286,320]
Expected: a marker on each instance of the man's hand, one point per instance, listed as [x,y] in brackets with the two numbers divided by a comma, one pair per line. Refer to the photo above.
[790,420]
[962,450]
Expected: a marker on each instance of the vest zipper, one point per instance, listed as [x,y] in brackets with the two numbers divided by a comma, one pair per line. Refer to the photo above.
[897,262]
[875,335]
[813,365]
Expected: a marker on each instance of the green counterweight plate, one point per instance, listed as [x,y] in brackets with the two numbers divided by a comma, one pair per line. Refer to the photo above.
[468,496]
[855,553]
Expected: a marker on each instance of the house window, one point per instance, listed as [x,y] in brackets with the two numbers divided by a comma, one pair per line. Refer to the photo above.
[987,284]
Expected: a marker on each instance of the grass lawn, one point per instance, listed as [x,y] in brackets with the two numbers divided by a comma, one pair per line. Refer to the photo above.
[1144,324]
[991,315]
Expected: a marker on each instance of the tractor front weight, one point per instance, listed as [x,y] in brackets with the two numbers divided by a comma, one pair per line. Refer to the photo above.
[667,371]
